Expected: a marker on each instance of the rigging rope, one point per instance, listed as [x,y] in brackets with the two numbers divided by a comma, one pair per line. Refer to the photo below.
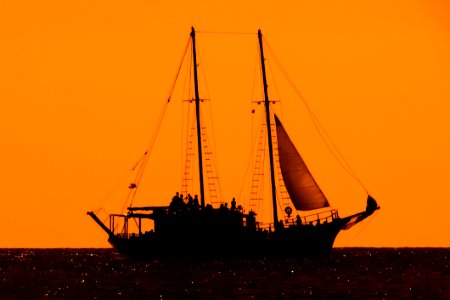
[214,144]
[189,97]
[369,220]
[253,139]
[226,32]
[319,127]
[144,160]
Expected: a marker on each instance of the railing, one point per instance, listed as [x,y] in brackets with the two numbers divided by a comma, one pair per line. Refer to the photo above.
[123,223]
[264,226]
[312,219]
[324,216]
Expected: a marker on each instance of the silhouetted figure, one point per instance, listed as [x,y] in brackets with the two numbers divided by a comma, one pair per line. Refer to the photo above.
[177,203]
[190,201]
[251,221]
[175,198]
[233,204]
[298,220]
[196,203]
[174,201]
[280,224]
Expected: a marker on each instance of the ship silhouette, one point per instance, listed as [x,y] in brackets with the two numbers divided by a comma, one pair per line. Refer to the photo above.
[193,227]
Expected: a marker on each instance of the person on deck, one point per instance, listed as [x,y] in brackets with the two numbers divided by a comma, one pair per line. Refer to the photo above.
[190,201]
[196,203]
[233,204]
[177,203]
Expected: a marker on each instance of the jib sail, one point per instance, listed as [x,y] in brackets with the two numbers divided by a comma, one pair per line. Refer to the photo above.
[300,184]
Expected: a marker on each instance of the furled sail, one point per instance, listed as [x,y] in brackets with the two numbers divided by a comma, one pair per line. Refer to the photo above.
[301,186]
[371,207]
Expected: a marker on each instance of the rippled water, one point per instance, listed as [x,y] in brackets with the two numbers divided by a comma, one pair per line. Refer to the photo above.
[349,273]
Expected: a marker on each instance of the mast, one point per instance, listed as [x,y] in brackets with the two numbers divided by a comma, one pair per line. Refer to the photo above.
[197,114]
[269,133]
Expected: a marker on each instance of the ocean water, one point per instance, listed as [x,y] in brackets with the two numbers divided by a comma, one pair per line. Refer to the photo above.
[349,273]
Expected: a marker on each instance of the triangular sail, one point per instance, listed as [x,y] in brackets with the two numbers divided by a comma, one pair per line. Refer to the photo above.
[301,186]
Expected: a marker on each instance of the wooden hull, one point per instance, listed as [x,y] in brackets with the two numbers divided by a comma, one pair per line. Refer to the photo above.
[294,241]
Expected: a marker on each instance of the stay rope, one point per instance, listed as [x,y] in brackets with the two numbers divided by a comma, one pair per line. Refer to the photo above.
[214,144]
[252,140]
[144,159]
[334,150]
[226,32]
[366,224]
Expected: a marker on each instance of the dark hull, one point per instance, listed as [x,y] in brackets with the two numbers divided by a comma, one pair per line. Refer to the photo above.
[294,241]
[223,234]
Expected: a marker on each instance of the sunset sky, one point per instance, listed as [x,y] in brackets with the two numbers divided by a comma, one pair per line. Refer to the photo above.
[82,84]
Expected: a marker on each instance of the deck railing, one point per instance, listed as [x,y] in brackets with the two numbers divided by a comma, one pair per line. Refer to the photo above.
[312,219]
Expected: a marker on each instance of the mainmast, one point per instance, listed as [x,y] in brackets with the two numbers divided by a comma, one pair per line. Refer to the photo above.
[269,132]
[197,114]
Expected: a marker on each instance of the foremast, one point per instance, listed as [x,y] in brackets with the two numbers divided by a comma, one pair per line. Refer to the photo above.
[269,132]
[197,115]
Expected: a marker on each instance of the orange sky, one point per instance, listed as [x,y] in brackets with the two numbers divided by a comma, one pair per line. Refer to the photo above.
[82,85]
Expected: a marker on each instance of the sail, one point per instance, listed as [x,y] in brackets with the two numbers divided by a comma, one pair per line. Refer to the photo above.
[301,186]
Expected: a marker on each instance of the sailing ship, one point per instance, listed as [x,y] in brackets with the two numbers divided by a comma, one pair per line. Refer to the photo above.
[193,228]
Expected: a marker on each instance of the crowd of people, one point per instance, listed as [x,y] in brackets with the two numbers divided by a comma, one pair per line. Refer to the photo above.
[181,203]
[187,203]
